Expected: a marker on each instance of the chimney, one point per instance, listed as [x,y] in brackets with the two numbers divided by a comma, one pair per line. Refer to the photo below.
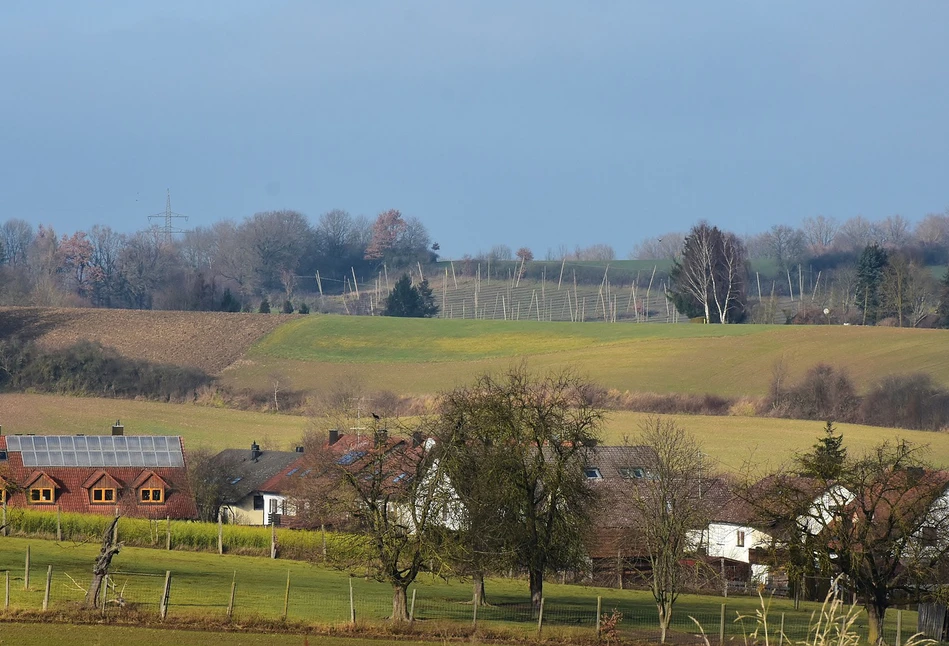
[416,439]
[334,436]
[299,449]
[381,436]
[254,451]
[117,428]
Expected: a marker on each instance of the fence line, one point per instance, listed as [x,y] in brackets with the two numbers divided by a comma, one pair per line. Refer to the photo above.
[180,594]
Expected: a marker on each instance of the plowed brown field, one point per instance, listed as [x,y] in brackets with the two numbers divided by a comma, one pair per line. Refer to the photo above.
[210,341]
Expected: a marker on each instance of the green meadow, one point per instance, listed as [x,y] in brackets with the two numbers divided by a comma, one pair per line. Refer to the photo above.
[201,587]
[425,356]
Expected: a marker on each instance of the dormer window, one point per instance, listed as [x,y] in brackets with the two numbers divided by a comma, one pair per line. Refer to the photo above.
[102,488]
[41,495]
[152,495]
[630,473]
[103,495]
[592,473]
[150,489]
[40,489]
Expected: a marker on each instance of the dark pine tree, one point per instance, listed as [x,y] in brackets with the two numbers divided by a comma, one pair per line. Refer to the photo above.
[408,300]
[870,268]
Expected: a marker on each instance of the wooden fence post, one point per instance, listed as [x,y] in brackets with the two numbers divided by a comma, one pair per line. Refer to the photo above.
[166,592]
[230,604]
[168,532]
[286,598]
[105,590]
[59,523]
[474,613]
[781,633]
[6,596]
[49,581]
[721,626]
[273,540]
[412,607]
[26,570]
[540,618]
[6,530]
[899,627]
[599,612]
[352,606]
[220,533]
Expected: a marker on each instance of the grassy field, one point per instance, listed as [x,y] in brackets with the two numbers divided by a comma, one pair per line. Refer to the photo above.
[201,426]
[421,356]
[201,585]
[730,441]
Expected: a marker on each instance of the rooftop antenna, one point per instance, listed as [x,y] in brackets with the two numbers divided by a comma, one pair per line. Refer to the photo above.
[167,230]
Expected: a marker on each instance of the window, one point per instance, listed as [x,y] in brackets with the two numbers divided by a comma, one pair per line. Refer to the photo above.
[592,473]
[103,495]
[632,472]
[41,495]
[151,495]
[258,503]
[3,455]
[740,538]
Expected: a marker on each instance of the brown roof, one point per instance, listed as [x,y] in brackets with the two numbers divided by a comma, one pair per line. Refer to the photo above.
[72,488]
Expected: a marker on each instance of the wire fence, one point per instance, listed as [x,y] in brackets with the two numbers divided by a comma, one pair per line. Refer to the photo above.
[303,599]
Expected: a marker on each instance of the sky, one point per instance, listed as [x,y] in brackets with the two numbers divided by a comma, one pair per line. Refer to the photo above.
[541,123]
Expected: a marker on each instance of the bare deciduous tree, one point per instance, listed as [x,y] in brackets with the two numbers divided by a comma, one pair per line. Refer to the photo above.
[670,506]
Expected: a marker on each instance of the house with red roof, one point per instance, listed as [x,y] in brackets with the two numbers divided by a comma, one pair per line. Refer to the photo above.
[141,476]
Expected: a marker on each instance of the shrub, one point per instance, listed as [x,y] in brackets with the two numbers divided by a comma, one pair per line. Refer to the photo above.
[303,309]
[823,393]
[906,401]
[287,307]
[88,368]
[264,307]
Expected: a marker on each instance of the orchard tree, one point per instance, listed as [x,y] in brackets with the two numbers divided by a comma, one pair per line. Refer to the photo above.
[523,447]
[397,494]
[670,506]
[881,521]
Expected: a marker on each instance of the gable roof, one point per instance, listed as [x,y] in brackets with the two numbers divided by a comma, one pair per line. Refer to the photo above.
[97,476]
[246,475]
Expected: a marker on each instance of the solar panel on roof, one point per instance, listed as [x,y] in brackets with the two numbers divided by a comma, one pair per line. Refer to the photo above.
[97,451]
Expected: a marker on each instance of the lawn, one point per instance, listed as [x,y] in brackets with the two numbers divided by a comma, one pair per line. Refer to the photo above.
[201,585]
[730,441]
[424,356]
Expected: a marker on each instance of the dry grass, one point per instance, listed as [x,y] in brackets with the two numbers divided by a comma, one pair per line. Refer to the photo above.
[210,341]
[732,441]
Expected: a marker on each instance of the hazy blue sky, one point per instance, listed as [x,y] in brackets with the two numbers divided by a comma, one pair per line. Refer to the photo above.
[524,123]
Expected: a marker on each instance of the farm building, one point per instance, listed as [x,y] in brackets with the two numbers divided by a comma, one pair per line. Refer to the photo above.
[140,476]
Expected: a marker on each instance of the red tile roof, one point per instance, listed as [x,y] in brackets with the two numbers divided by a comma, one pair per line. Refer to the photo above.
[73,484]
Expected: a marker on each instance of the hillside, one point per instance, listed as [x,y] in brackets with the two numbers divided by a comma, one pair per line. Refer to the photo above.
[418,356]
[210,341]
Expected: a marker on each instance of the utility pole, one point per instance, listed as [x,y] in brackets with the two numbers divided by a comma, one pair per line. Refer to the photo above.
[166,229]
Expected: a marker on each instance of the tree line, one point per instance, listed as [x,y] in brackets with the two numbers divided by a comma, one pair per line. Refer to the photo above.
[226,266]
[711,279]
